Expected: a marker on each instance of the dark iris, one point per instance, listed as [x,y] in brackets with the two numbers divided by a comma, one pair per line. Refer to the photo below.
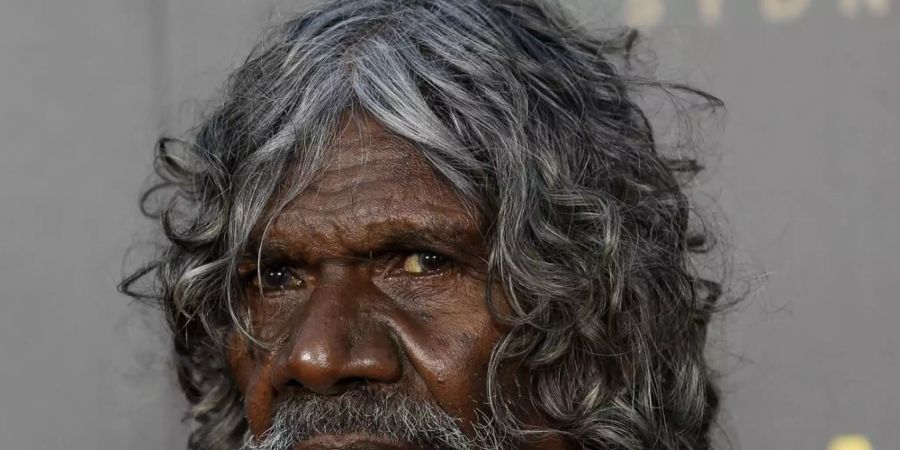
[432,262]
[275,278]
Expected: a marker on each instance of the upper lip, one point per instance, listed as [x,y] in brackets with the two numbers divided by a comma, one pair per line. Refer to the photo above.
[352,441]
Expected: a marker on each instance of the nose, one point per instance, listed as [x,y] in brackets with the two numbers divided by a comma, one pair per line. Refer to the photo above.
[335,342]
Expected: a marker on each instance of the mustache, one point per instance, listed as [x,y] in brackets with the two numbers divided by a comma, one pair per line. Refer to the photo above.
[391,415]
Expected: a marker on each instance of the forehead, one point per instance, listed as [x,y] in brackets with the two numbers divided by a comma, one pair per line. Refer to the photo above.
[375,183]
[365,162]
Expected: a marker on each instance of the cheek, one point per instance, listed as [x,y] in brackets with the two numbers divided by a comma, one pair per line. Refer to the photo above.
[448,335]
[251,366]
[250,372]
[446,332]
[272,315]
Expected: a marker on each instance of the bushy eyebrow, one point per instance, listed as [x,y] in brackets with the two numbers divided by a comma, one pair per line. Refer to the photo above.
[427,239]
[446,237]
[267,249]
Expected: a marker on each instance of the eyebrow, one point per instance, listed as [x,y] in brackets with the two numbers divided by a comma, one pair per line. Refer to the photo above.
[442,236]
[268,249]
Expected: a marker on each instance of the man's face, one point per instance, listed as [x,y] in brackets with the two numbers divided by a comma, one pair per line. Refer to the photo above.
[373,285]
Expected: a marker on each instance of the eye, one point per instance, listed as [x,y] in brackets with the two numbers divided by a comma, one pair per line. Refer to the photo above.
[276,278]
[425,263]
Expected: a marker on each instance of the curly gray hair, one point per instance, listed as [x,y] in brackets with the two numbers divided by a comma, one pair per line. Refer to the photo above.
[534,121]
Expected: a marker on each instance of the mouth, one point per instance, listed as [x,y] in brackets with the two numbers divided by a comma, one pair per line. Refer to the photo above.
[353,441]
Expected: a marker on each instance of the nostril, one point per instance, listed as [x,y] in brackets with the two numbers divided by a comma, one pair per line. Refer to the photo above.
[350,383]
[328,356]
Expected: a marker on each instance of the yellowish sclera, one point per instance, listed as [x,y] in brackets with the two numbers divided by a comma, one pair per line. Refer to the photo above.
[413,264]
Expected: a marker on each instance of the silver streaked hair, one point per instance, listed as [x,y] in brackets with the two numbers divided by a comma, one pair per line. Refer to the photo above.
[533,120]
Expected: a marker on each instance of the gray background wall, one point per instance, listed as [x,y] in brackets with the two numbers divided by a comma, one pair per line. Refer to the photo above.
[806,171]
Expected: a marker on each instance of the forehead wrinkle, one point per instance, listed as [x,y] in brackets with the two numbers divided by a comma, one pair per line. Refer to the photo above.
[352,228]
[349,176]
[375,183]
[363,145]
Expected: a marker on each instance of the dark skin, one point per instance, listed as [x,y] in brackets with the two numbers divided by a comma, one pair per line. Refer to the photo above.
[374,275]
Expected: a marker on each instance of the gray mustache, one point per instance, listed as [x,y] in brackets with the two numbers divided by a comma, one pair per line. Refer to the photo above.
[389,415]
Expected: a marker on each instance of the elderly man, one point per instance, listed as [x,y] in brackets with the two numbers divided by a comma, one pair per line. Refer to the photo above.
[435,224]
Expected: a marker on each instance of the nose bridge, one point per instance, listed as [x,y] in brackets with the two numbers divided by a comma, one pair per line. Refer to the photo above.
[336,341]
